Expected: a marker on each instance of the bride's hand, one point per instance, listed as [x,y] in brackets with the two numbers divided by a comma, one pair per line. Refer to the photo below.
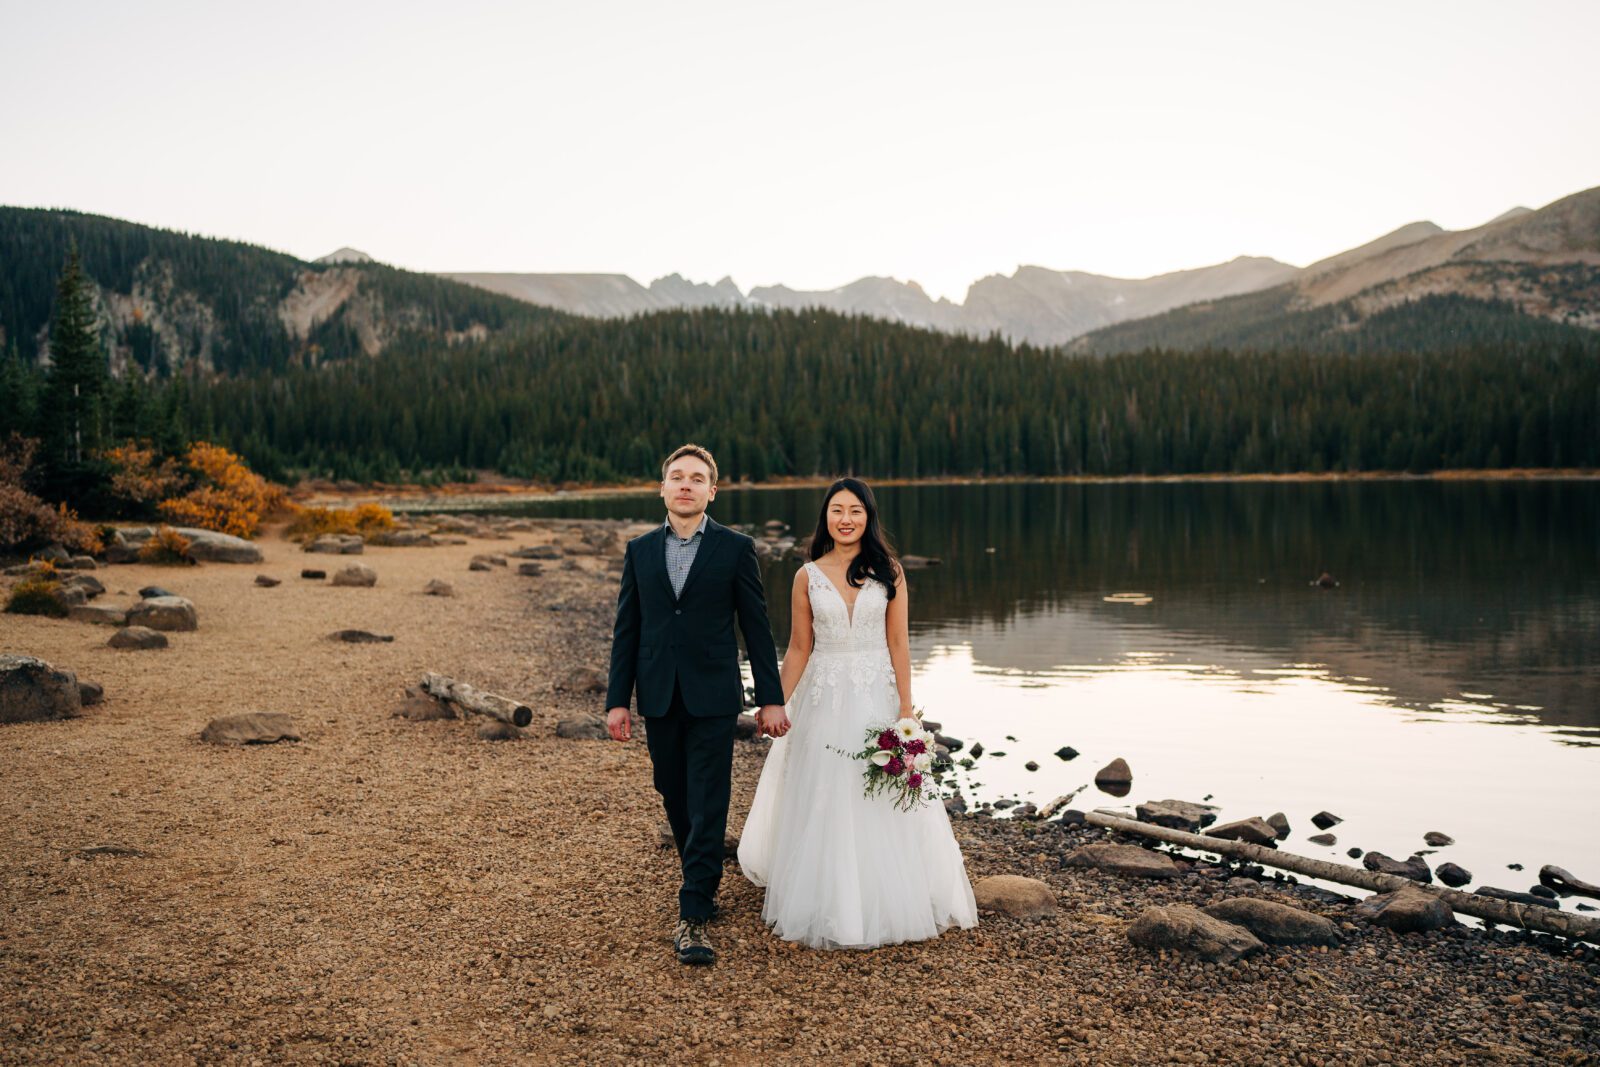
[910,713]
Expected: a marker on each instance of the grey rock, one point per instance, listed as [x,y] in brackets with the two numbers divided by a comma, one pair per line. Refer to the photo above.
[1414,868]
[1406,910]
[537,552]
[169,613]
[1452,875]
[53,554]
[151,591]
[1254,830]
[954,744]
[1066,752]
[90,693]
[1177,814]
[529,570]
[977,749]
[1435,839]
[419,707]
[336,545]
[1015,896]
[479,565]
[1030,766]
[1115,778]
[1323,839]
[78,563]
[1130,860]
[98,614]
[90,585]
[70,596]
[1279,823]
[1183,928]
[250,728]
[495,730]
[584,728]
[1275,923]
[209,546]
[356,575]
[403,539]
[956,805]
[1324,820]
[31,690]
[435,587]
[138,637]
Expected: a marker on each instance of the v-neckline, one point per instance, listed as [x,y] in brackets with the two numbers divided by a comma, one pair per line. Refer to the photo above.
[849,605]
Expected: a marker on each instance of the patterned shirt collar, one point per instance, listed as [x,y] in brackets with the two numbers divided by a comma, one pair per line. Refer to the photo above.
[698,530]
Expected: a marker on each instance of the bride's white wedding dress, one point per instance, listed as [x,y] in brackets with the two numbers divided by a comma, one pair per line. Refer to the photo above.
[842,870]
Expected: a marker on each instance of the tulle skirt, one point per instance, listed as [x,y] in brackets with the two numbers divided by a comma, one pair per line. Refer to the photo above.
[842,870]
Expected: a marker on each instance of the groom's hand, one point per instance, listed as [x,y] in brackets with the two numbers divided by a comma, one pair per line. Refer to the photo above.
[772,719]
[617,724]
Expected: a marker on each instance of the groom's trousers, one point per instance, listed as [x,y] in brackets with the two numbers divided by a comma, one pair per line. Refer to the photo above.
[692,757]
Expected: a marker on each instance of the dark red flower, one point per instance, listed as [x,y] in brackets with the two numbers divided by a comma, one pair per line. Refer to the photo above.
[887,739]
[914,781]
[894,766]
[916,747]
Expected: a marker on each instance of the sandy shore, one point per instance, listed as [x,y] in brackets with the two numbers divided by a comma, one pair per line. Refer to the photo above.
[394,892]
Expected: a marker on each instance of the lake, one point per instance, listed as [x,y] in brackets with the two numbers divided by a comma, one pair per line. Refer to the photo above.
[1451,680]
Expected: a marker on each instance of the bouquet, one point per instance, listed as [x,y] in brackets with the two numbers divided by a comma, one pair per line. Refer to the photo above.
[900,762]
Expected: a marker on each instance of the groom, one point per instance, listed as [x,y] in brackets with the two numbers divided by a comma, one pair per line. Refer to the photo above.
[682,586]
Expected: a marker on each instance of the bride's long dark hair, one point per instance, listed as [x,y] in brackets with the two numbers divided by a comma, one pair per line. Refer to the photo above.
[876,559]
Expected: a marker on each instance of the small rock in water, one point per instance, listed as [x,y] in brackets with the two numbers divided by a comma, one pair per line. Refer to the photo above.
[1004,803]
[1539,890]
[1254,830]
[1279,822]
[954,744]
[1066,752]
[1513,866]
[977,749]
[1437,840]
[1115,778]
[1177,814]
[1353,853]
[1414,867]
[1452,875]
[956,805]
[1030,766]
[1323,839]
[1324,820]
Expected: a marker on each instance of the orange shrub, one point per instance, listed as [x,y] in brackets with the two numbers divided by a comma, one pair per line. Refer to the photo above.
[231,497]
[139,479]
[364,519]
[36,596]
[167,546]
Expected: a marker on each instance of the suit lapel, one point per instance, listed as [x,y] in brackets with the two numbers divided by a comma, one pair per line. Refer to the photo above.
[658,557]
[710,545]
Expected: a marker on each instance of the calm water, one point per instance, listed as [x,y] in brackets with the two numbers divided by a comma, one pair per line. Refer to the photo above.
[1451,682]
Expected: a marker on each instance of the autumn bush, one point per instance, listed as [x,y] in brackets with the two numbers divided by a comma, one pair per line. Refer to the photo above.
[365,520]
[166,545]
[36,595]
[25,520]
[227,496]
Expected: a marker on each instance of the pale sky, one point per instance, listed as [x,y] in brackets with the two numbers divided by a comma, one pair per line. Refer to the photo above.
[804,143]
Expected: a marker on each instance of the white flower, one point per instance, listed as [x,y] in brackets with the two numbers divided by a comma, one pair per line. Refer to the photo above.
[881,757]
[926,737]
[907,729]
[922,762]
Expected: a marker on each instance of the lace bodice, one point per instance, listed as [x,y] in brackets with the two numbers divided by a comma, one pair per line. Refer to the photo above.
[838,627]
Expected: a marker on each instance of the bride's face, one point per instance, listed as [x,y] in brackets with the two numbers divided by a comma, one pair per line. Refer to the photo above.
[847,518]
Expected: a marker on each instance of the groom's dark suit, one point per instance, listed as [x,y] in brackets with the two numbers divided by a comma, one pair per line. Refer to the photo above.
[679,652]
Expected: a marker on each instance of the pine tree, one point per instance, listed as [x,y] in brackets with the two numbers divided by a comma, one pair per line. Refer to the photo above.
[79,373]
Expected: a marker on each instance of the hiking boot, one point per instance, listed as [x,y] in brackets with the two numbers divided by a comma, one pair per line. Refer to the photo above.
[691,944]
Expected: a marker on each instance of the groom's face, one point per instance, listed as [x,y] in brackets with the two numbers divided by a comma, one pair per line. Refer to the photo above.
[687,488]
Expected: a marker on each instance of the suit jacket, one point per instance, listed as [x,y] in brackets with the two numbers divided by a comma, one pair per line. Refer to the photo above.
[660,641]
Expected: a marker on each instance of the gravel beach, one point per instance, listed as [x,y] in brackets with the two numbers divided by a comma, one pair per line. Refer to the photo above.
[387,891]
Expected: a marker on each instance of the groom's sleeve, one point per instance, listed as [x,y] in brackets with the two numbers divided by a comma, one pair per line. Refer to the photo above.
[624,638]
[751,602]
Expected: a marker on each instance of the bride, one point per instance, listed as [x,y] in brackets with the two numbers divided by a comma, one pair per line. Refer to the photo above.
[842,870]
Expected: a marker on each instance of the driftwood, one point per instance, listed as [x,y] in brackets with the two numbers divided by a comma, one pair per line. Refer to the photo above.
[1507,913]
[1562,881]
[476,701]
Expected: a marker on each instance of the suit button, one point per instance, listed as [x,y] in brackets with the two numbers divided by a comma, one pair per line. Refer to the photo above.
[677,611]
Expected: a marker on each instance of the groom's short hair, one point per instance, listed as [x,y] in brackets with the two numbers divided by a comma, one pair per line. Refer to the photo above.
[700,452]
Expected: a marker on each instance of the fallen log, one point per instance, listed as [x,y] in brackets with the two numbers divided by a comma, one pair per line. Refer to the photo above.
[1505,912]
[1562,881]
[476,701]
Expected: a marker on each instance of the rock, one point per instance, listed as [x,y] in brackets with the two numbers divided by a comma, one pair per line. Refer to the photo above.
[209,546]
[1514,896]
[138,637]
[1324,820]
[336,545]
[584,728]
[479,565]
[1414,868]
[1128,860]
[435,587]
[529,570]
[403,539]
[90,693]
[1435,839]
[358,575]
[419,707]
[313,573]
[1279,823]
[1406,910]
[537,552]
[266,582]
[954,744]
[1016,896]
[150,591]
[1073,817]
[170,613]
[1025,810]
[98,614]
[1275,923]
[1030,766]
[99,851]
[1353,853]
[78,563]
[250,728]
[583,680]
[1114,778]
[87,582]
[496,730]
[28,569]
[977,749]
[1453,876]
[1177,814]
[1005,804]
[53,554]
[67,597]
[1257,831]
[1323,839]
[1066,752]
[31,690]
[1543,891]
[956,805]
[1186,929]
[360,637]
[1564,881]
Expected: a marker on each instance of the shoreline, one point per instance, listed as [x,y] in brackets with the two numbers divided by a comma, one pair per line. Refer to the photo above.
[390,891]
[476,496]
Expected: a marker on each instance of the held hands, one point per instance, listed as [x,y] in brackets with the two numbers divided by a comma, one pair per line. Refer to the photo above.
[773,720]
[618,724]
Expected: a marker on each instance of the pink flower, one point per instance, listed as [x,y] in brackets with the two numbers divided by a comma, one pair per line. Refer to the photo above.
[917,747]
[894,766]
[915,781]
[887,739]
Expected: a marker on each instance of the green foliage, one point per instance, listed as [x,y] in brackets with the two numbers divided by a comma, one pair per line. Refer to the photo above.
[36,596]
[78,372]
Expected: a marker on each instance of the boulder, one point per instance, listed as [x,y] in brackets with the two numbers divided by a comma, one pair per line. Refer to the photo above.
[529,570]
[90,693]
[403,539]
[138,637]
[1435,839]
[584,728]
[1275,923]
[1177,814]
[956,805]
[1182,928]
[358,575]
[78,563]
[537,552]
[250,728]
[31,690]
[583,680]
[1128,860]
[53,554]
[360,637]
[977,749]
[1066,752]
[170,613]
[1030,766]
[954,744]
[419,707]
[336,545]
[479,565]
[1414,868]
[496,730]
[1406,910]
[1279,823]
[266,582]
[87,582]
[1452,875]
[209,546]
[69,597]
[1254,830]
[435,587]
[1324,820]
[1323,839]
[1114,778]
[1016,896]
[98,614]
